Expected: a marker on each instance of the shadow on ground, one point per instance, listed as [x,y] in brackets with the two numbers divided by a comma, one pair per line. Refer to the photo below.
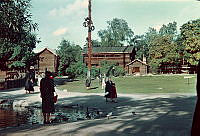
[11,94]
[154,117]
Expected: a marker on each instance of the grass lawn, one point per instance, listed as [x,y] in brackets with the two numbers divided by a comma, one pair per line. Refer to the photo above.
[139,84]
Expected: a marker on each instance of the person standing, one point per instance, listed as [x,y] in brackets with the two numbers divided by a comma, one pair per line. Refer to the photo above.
[40,76]
[29,83]
[103,84]
[108,89]
[195,131]
[113,94]
[47,94]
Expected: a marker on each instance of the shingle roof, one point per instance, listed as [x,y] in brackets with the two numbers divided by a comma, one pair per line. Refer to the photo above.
[123,49]
[51,50]
[138,61]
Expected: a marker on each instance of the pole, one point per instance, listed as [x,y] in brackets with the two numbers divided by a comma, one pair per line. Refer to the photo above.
[88,23]
[89,42]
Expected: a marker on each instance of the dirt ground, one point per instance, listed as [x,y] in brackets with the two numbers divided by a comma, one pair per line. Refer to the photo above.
[155,115]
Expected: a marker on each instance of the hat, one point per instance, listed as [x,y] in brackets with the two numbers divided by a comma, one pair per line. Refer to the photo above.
[31,67]
[48,74]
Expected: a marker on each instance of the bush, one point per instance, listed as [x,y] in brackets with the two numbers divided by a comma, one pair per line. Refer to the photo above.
[111,68]
[76,70]
[119,71]
[95,72]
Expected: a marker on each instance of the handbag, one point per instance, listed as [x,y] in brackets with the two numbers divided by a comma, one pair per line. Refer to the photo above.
[55,98]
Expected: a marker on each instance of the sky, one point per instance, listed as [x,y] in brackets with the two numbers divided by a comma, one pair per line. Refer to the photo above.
[63,19]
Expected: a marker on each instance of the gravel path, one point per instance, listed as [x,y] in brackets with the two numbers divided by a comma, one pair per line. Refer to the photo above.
[154,115]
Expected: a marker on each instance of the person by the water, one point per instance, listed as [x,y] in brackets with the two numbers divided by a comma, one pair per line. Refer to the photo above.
[47,94]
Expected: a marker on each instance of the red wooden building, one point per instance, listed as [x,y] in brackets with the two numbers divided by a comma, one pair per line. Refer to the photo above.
[121,55]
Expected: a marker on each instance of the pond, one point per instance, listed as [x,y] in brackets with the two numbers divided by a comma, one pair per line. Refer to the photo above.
[17,116]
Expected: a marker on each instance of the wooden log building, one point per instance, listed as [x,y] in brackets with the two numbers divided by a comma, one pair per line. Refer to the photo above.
[137,67]
[47,60]
[121,55]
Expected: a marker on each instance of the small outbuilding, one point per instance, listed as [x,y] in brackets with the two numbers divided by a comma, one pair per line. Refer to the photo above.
[137,67]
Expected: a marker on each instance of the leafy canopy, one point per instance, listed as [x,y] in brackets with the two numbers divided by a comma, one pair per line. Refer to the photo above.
[190,34]
[17,37]
[117,33]
[69,53]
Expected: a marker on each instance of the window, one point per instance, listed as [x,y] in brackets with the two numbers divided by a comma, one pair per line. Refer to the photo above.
[135,69]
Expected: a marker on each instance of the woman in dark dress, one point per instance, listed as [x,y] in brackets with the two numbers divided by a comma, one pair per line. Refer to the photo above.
[113,94]
[29,83]
[108,89]
[195,131]
[47,93]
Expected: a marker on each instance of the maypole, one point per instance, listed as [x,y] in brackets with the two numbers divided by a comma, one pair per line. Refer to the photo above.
[88,23]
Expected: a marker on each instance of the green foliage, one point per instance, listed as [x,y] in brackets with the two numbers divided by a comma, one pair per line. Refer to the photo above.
[95,72]
[110,68]
[16,32]
[105,66]
[190,34]
[77,69]
[69,54]
[119,71]
[169,29]
[16,64]
[16,23]
[163,50]
[141,46]
[95,43]
[116,34]
[144,42]
[160,47]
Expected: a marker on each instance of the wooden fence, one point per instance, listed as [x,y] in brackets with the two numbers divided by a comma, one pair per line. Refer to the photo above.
[12,83]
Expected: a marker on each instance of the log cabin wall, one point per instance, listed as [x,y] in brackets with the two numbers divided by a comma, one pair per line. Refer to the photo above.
[47,60]
[137,67]
[2,75]
[120,55]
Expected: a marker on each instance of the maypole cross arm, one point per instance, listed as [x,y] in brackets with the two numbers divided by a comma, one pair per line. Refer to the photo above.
[88,23]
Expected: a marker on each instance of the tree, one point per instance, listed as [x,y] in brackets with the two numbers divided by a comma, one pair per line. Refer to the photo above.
[162,51]
[165,47]
[143,43]
[117,33]
[17,37]
[159,47]
[141,46]
[169,29]
[77,69]
[95,43]
[69,53]
[190,34]
[110,68]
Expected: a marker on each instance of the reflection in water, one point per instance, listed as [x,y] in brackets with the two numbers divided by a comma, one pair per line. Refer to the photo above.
[15,117]
[7,118]
[10,117]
